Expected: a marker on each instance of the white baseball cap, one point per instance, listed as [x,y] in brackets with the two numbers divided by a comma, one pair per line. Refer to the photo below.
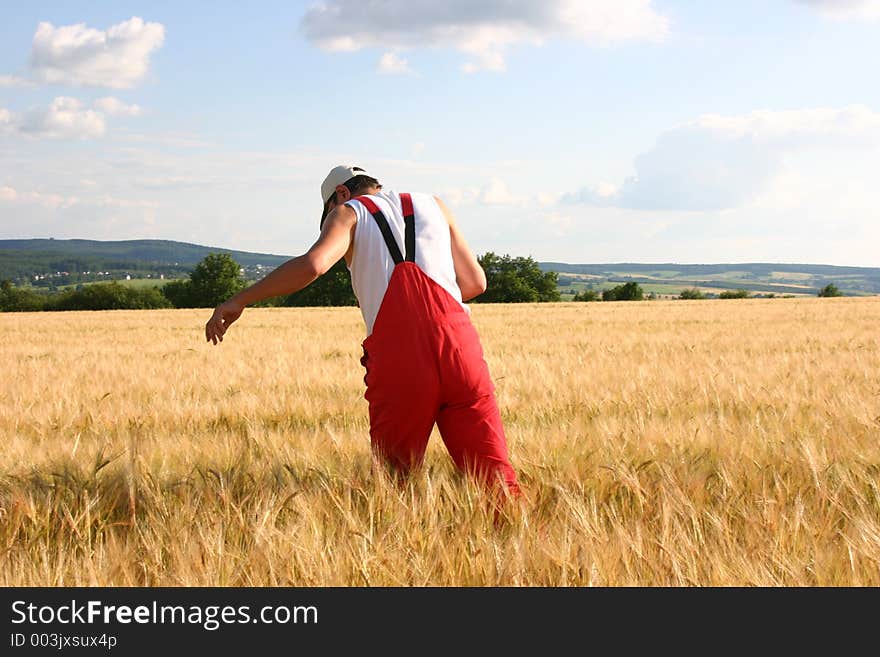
[339,176]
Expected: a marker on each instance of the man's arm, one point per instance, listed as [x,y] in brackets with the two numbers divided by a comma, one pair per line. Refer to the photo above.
[469,274]
[293,275]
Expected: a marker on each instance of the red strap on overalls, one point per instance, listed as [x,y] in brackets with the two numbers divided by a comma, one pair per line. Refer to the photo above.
[385,229]
[409,219]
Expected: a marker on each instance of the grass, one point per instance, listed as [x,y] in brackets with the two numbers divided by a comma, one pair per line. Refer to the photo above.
[137,283]
[661,443]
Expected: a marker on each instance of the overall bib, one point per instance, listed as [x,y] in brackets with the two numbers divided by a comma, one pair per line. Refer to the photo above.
[424,364]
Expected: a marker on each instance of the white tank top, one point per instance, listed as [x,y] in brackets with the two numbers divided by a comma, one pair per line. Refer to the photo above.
[371,262]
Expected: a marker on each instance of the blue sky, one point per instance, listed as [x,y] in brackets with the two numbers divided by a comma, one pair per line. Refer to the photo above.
[568,130]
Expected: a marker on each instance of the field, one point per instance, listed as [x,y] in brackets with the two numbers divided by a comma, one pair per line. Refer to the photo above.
[779,278]
[669,287]
[660,443]
[137,283]
[662,290]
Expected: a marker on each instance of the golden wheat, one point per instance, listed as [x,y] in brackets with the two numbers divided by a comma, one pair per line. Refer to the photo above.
[661,443]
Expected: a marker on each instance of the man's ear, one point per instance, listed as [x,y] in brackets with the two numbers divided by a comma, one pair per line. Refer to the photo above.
[343,193]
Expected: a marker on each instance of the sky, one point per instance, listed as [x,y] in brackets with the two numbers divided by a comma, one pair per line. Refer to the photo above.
[579,131]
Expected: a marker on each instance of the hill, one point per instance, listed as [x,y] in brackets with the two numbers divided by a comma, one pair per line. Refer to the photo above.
[57,262]
[46,262]
[757,277]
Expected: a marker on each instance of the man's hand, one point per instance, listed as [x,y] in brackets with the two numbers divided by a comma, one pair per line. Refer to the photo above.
[224,314]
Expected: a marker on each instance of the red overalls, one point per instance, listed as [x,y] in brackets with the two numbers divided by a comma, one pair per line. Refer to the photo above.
[424,364]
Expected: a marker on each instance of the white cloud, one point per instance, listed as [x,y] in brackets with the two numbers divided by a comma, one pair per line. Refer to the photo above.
[497,193]
[14,81]
[602,194]
[487,60]
[458,196]
[545,199]
[721,162]
[54,201]
[115,107]
[65,118]
[481,30]
[558,224]
[106,201]
[50,201]
[392,64]
[794,127]
[79,55]
[846,9]
[6,122]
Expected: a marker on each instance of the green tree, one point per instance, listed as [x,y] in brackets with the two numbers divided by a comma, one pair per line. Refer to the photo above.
[691,293]
[332,289]
[625,292]
[830,290]
[216,278]
[179,293]
[734,294]
[516,280]
[14,299]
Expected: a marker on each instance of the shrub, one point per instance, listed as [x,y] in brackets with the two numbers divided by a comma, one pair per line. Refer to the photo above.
[691,293]
[734,294]
[830,290]
[625,292]
[14,299]
[108,296]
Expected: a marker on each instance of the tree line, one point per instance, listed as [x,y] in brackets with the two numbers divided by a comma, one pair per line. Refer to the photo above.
[218,276]
[829,290]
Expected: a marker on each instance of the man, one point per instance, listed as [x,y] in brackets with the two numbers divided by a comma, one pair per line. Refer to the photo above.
[411,271]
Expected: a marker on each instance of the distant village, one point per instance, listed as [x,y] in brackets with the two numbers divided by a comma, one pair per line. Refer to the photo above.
[59,278]
[62,274]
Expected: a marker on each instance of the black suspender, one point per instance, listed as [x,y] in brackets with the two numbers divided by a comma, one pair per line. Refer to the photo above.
[385,229]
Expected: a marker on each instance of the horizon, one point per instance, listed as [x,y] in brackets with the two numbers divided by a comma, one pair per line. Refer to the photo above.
[542,261]
[590,132]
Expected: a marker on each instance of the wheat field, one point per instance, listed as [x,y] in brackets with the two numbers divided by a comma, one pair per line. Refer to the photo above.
[661,443]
